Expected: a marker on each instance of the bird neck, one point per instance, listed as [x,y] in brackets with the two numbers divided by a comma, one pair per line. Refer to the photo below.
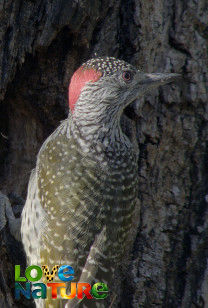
[103,128]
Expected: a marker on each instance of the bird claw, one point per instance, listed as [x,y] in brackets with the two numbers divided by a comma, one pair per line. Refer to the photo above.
[6,214]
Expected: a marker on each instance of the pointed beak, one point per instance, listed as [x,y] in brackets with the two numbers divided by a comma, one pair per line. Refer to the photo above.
[157,79]
[144,83]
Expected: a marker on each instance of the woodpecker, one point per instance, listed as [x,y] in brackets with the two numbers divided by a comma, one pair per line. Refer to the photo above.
[82,194]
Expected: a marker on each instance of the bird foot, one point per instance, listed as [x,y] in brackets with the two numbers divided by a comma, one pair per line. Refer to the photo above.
[6,214]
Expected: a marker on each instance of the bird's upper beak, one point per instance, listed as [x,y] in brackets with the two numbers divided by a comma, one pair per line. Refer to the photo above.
[153,80]
[146,82]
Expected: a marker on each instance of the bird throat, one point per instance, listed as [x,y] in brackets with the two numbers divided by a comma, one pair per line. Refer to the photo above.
[102,137]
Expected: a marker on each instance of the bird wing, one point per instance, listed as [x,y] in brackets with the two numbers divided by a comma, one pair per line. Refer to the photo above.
[67,193]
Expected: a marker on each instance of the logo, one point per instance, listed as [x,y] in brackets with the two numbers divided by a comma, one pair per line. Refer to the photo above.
[30,288]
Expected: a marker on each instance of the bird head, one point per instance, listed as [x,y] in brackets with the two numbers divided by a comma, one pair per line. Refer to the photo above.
[105,86]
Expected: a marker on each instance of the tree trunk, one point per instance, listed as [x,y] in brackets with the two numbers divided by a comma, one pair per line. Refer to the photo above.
[42,43]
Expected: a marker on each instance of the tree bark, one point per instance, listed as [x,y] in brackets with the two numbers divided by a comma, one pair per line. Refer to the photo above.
[41,43]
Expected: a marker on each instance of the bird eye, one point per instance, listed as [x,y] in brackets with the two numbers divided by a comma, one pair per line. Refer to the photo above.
[127,76]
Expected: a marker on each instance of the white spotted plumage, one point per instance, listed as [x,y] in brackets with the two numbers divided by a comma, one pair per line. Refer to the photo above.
[82,193]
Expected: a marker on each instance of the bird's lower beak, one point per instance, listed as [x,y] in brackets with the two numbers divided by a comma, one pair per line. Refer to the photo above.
[157,79]
[146,82]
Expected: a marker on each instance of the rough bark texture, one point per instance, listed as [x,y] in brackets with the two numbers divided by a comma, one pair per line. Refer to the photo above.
[41,43]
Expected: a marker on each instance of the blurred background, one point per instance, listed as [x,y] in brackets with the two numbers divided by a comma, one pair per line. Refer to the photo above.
[42,42]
